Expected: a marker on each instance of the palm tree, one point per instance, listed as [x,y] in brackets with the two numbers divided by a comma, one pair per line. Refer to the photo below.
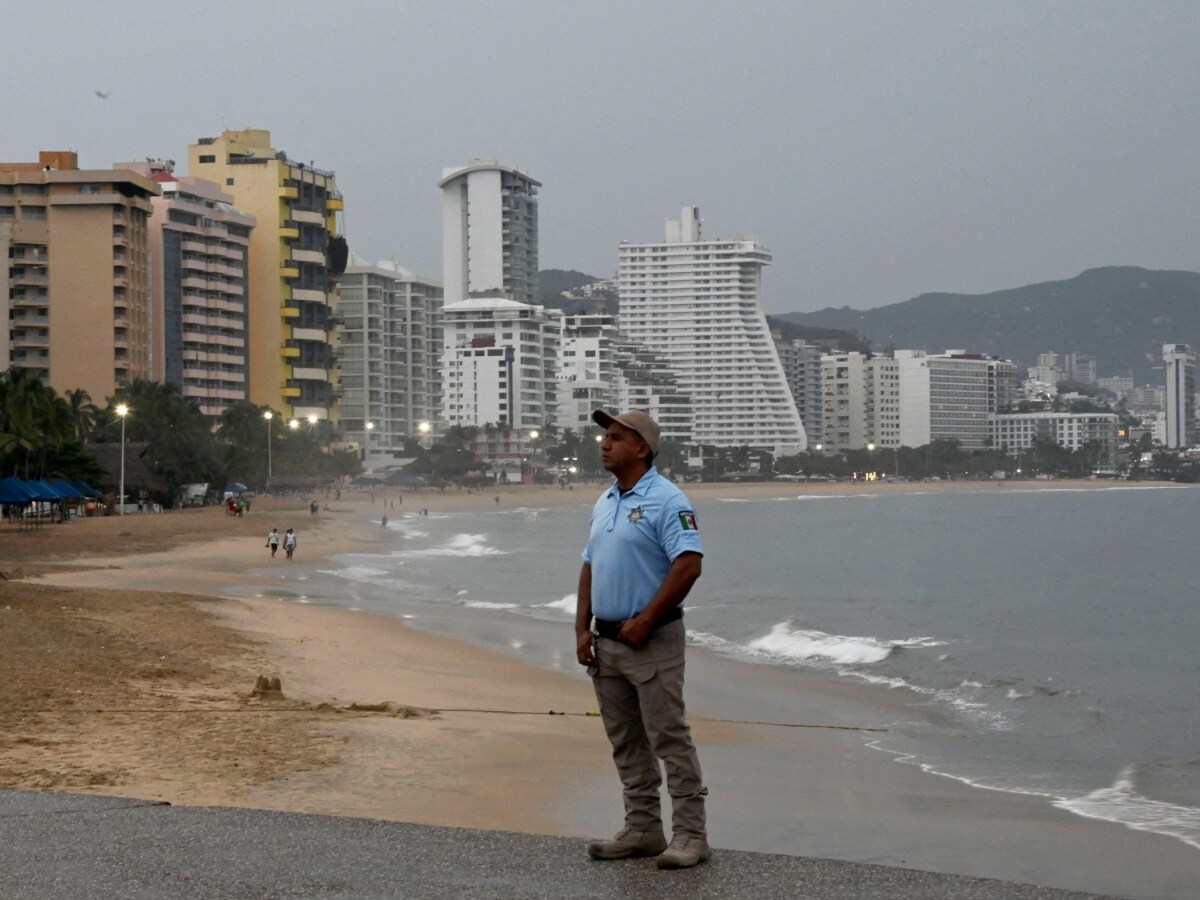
[84,413]
[33,420]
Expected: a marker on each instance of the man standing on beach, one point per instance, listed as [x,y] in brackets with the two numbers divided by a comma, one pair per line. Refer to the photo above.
[273,541]
[289,543]
[642,557]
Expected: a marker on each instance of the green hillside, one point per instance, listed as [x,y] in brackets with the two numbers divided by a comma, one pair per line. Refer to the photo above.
[1120,315]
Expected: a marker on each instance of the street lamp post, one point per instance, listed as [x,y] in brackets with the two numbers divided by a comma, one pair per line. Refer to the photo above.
[268,415]
[367,440]
[122,412]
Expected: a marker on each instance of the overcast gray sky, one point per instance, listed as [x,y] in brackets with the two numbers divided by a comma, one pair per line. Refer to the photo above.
[878,149]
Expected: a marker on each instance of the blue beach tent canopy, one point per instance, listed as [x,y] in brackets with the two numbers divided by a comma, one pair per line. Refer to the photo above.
[85,489]
[66,489]
[42,491]
[236,488]
[13,491]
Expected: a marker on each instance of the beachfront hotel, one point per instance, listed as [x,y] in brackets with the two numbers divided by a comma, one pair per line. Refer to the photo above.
[1181,395]
[801,363]
[698,305]
[199,250]
[389,353]
[76,294]
[296,254]
[1014,432]
[500,363]
[489,232]
[601,368]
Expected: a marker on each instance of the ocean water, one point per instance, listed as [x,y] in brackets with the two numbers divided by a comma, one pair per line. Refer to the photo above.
[1044,641]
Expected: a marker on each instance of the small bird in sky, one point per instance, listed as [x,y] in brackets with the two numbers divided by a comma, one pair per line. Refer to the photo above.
[103,95]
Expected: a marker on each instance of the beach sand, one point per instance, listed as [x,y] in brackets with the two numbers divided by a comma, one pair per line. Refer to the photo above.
[124,675]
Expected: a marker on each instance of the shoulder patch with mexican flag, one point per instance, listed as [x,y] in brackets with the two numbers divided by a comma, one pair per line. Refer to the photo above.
[687,521]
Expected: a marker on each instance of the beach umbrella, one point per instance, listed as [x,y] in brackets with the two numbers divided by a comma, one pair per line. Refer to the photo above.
[236,488]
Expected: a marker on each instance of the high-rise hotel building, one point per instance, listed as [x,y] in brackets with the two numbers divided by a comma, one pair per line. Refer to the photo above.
[489,232]
[698,304]
[199,249]
[1181,394]
[296,255]
[75,291]
[390,352]
[500,363]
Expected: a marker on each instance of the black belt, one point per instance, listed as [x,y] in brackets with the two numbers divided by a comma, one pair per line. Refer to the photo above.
[608,628]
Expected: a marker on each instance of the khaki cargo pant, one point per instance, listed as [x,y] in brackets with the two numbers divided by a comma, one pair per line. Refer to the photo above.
[640,693]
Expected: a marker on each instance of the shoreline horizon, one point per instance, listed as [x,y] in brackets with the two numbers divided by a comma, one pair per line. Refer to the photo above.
[282,628]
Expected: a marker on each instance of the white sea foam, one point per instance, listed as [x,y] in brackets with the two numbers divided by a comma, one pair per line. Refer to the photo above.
[801,643]
[362,574]
[1121,803]
[566,604]
[466,545]
[486,604]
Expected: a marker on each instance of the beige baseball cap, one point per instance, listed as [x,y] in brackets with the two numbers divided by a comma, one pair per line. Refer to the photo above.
[635,420]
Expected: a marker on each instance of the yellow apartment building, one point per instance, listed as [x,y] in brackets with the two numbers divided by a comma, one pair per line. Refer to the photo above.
[76,290]
[296,256]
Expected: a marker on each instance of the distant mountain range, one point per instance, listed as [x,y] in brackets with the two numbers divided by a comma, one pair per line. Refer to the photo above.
[1120,315]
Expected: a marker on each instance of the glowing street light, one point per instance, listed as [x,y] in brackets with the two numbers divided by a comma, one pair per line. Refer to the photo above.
[268,415]
[293,424]
[122,411]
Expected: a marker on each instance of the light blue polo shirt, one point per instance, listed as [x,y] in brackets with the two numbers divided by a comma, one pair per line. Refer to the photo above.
[633,541]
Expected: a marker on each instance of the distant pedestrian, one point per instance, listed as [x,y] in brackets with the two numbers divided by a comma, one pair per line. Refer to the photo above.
[289,543]
[273,541]
[383,521]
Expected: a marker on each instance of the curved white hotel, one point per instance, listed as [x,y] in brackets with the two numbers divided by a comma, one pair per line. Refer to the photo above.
[698,304]
[489,232]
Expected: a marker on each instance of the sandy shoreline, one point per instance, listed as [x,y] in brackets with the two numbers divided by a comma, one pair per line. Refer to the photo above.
[179,722]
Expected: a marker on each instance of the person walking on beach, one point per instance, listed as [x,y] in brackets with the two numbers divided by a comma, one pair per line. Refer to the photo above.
[273,541]
[643,555]
[289,543]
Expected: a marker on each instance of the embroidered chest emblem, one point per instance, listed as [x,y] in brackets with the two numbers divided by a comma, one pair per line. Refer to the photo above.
[636,515]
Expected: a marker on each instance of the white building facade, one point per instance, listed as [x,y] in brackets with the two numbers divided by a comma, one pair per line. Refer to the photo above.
[698,305]
[390,348]
[587,373]
[1181,395]
[1014,432]
[500,363]
[965,391]
[489,232]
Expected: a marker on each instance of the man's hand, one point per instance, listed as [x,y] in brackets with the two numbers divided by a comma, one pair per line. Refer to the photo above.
[584,651]
[634,632]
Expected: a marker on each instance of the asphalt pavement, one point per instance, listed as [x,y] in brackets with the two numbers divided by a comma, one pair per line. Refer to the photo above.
[74,847]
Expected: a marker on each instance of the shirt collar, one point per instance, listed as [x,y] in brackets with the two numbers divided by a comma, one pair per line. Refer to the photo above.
[640,488]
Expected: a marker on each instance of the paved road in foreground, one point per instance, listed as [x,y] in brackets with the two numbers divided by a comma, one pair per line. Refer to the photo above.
[72,847]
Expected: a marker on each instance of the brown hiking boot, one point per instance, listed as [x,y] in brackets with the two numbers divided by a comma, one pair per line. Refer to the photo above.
[629,842]
[685,851]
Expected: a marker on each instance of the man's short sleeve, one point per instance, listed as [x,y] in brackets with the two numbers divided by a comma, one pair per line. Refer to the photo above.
[679,528]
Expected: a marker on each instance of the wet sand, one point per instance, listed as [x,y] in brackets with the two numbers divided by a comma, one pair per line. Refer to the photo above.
[123,675]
